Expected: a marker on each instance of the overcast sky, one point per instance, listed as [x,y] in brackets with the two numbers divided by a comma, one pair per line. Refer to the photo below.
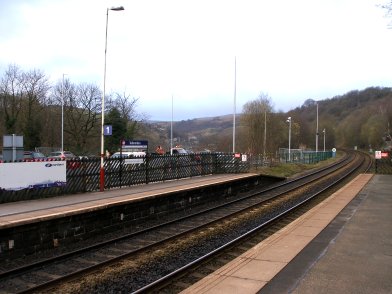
[159,49]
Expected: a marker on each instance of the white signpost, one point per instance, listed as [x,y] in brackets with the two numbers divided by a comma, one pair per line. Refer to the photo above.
[377,154]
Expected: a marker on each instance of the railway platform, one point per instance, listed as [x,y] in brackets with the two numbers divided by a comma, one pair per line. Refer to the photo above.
[29,227]
[23,212]
[343,245]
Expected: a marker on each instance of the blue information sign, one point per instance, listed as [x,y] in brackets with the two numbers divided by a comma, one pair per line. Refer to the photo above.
[107,130]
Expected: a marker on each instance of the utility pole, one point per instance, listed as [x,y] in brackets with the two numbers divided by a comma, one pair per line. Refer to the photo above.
[171,128]
[235,93]
[317,132]
[289,121]
[265,131]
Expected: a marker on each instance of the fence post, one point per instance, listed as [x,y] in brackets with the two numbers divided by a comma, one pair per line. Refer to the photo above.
[120,172]
[215,164]
[147,159]
[176,165]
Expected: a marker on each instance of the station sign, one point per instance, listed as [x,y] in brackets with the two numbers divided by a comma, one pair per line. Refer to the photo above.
[107,130]
[136,144]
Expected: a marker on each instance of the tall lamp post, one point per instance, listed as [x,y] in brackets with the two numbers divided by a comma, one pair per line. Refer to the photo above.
[235,98]
[62,114]
[324,138]
[289,121]
[102,169]
[317,132]
[171,128]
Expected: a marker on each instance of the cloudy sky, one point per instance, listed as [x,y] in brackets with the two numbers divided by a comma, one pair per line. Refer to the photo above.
[289,50]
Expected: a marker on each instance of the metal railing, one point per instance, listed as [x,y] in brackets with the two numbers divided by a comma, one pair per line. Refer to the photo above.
[303,156]
[383,165]
[83,174]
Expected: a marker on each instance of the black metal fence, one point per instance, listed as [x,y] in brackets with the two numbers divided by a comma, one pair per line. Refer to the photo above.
[384,165]
[83,175]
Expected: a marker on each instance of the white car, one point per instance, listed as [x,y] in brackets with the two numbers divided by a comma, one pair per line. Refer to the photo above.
[126,154]
[178,150]
[62,154]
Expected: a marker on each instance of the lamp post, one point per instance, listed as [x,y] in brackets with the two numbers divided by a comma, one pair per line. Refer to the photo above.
[317,132]
[324,138]
[235,98]
[62,114]
[289,121]
[102,169]
[171,128]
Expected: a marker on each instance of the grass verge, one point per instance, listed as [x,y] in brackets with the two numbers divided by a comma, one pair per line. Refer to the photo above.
[293,169]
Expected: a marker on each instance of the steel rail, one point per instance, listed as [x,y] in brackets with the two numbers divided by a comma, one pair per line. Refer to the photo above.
[163,280]
[63,256]
[94,267]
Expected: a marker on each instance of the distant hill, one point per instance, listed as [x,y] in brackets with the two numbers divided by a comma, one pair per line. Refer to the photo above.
[197,134]
[358,118]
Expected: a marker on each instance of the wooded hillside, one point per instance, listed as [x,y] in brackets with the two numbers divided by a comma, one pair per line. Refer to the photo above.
[359,118]
[38,110]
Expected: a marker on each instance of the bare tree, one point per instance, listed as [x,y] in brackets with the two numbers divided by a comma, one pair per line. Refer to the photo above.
[82,105]
[35,88]
[11,94]
[57,100]
[388,8]
[126,105]
[255,117]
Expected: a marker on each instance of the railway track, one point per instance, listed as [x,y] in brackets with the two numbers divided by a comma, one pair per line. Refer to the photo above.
[150,258]
[192,272]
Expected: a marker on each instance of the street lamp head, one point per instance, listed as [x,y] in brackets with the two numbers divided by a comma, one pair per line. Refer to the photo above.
[119,8]
[288,119]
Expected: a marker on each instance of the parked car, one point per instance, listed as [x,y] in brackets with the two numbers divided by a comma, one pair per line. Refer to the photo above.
[33,155]
[179,150]
[62,154]
[126,154]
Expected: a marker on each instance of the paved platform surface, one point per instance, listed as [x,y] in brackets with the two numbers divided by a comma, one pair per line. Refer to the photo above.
[358,259]
[22,212]
[343,245]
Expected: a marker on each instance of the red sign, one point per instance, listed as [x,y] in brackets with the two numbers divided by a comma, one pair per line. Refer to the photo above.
[237,155]
[384,154]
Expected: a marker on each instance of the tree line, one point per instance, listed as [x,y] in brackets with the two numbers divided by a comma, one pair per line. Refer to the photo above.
[360,119]
[33,107]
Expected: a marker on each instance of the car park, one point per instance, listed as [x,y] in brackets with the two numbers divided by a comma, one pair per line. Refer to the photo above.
[33,155]
[73,161]
[126,154]
[178,150]
[62,154]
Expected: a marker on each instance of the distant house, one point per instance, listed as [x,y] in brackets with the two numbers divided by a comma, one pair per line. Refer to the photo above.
[193,139]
